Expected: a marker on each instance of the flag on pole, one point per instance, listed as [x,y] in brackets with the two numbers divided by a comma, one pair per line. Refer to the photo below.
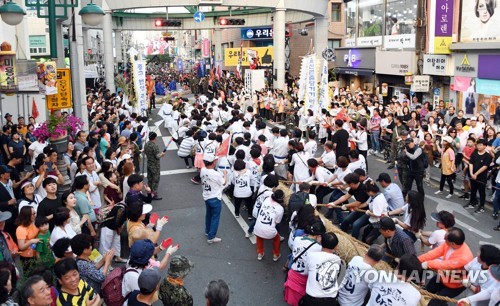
[34,110]
[223,149]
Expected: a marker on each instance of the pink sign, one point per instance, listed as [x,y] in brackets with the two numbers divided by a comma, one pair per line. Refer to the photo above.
[461,83]
[206,48]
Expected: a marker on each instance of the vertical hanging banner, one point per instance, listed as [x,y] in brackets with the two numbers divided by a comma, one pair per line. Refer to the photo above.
[63,98]
[442,21]
[206,48]
[312,94]
[139,73]
[47,77]
[180,65]
[303,79]
[8,78]
[323,89]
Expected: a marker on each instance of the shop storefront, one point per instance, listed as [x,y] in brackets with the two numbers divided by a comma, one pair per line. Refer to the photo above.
[355,69]
[392,67]
[476,82]
[439,67]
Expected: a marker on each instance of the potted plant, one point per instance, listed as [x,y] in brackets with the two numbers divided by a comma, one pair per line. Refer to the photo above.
[57,128]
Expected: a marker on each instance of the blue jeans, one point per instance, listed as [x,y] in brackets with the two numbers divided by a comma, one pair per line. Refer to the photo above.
[212,216]
[375,138]
[496,200]
[336,194]
[357,219]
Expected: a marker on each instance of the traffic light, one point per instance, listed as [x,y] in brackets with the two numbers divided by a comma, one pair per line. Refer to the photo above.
[167,23]
[231,22]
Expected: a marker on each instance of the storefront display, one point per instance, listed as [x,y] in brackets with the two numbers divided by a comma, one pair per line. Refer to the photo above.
[355,68]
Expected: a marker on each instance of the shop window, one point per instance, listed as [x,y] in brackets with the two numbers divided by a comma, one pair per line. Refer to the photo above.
[336,12]
[351,19]
[400,17]
[42,50]
[33,50]
[333,43]
[370,21]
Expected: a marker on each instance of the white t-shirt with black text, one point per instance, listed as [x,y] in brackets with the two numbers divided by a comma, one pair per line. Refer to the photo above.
[323,269]
[270,214]
[354,287]
[212,182]
[393,292]
[300,243]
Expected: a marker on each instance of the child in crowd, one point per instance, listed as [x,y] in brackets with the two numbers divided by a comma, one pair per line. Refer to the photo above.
[43,251]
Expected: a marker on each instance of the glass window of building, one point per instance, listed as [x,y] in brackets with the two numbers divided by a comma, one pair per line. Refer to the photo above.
[351,19]
[333,43]
[400,17]
[336,12]
[370,20]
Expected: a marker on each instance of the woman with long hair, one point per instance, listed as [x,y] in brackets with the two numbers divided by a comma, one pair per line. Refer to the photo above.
[26,234]
[447,165]
[69,201]
[413,123]
[6,288]
[414,214]
[128,169]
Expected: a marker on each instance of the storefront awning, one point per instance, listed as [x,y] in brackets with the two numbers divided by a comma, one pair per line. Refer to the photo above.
[351,71]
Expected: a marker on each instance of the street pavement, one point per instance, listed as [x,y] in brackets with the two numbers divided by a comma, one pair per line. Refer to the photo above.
[234,260]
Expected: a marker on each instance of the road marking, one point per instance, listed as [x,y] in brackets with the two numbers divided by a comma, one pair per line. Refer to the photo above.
[244,226]
[457,208]
[493,244]
[177,171]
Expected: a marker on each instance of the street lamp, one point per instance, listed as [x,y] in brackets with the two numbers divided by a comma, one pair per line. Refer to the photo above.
[12,14]
[92,14]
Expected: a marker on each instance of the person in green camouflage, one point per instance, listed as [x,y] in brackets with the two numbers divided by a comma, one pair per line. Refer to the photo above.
[153,155]
[172,290]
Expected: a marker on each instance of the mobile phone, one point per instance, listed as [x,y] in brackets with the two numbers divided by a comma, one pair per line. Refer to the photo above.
[49,165]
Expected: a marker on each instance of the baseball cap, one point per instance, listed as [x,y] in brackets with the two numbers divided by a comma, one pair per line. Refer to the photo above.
[448,139]
[436,217]
[180,266]
[26,184]
[387,223]
[5,215]
[149,280]
[209,157]
[126,156]
[473,118]
[4,169]
[404,133]
[122,140]
[142,251]
[7,115]
[384,177]
[146,208]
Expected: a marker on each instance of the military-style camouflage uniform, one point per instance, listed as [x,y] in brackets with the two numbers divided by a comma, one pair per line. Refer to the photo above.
[402,162]
[172,294]
[153,167]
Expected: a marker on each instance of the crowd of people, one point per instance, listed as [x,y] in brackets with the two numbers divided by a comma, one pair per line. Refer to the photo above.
[101,239]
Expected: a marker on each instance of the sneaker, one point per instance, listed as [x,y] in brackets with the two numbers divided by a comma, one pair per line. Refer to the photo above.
[449,196]
[495,215]
[276,257]
[250,218]
[282,238]
[438,192]
[157,198]
[214,240]
[195,181]
[390,167]
[237,216]
[188,167]
[497,228]
[260,256]
[469,206]
[248,235]
[464,196]
[480,210]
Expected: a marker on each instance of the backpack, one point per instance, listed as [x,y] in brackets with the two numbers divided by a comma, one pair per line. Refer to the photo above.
[111,289]
[112,220]
[425,160]
[297,200]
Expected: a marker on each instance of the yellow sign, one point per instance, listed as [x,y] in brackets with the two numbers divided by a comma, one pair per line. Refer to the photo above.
[232,56]
[63,97]
[465,61]
[442,45]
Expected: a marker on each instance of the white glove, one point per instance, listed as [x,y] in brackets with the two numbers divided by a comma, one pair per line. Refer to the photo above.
[172,249]
[418,235]
[344,207]
[161,223]
[367,212]
[466,282]
[395,220]
[425,265]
